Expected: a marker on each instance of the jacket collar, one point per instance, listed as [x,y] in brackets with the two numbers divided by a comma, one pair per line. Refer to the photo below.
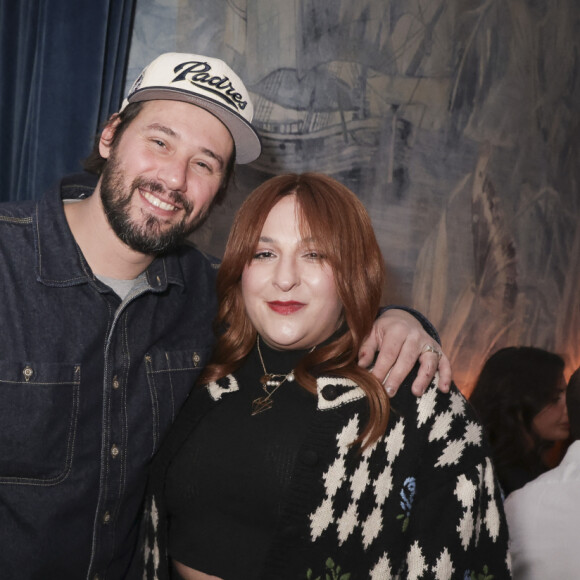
[60,262]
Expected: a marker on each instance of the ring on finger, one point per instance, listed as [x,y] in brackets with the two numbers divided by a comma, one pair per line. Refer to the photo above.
[429,348]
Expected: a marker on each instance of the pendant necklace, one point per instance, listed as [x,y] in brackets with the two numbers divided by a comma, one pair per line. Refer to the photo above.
[270,383]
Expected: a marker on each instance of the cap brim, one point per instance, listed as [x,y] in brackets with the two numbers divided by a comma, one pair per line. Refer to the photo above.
[246,139]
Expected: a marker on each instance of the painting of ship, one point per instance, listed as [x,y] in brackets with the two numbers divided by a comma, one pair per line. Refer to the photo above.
[340,79]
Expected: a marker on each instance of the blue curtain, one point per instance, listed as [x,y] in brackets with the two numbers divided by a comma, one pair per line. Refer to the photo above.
[62,69]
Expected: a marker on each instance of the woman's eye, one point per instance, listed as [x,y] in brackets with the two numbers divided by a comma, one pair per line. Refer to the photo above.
[262,255]
[314,255]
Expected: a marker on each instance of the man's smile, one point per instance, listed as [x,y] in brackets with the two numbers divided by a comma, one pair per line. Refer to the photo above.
[156,202]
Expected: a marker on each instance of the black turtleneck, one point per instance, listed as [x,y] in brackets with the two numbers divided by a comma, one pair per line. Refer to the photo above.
[225,486]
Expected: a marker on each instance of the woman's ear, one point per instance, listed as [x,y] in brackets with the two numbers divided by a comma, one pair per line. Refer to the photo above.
[106,140]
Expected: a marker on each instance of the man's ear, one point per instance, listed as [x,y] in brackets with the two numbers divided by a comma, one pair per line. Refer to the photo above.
[107,136]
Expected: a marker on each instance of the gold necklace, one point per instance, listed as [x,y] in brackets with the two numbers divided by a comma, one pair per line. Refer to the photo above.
[265,402]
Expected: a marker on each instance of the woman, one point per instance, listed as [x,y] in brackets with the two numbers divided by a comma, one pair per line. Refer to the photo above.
[520,397]
[290,461]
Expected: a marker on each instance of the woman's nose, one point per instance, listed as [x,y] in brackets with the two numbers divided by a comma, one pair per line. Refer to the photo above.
[287,274]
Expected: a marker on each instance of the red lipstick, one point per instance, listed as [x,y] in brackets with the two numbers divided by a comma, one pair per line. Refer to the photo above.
[285,308]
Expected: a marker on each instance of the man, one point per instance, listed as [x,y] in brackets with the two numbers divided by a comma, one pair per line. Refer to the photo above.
[107,321]
[544,516]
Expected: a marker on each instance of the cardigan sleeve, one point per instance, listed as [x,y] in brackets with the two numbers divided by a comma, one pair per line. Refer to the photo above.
[456,526]
[452,518]
[422,502]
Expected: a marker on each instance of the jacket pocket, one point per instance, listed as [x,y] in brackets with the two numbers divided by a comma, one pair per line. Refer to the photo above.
[171,376]
[39,405]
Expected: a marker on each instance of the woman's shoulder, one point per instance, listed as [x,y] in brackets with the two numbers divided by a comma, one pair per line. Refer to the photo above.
[433,405]
[444,424]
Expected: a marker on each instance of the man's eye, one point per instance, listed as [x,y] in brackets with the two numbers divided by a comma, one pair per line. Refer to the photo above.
[203,165]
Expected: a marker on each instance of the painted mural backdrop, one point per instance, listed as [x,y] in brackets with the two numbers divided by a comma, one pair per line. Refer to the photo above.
[455,121]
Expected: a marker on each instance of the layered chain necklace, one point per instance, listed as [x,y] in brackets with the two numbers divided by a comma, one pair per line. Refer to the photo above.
[270,384]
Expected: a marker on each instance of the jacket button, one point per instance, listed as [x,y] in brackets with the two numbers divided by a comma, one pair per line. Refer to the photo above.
[330,392]
[309,457]
[27,372]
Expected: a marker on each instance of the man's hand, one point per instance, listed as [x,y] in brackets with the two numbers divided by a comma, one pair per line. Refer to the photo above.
[400,341]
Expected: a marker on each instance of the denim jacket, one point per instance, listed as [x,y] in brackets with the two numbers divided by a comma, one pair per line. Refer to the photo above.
[88,387]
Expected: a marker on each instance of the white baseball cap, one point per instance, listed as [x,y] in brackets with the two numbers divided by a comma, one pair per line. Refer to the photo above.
[208,83]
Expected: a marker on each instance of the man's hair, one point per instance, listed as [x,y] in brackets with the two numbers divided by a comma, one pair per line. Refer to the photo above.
[573,404]
[342,231]
[95,162]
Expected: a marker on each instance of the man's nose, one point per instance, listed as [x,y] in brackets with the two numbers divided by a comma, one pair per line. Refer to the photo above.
[173,173]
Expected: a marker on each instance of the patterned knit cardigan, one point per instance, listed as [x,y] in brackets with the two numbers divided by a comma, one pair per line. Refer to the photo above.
[422,502]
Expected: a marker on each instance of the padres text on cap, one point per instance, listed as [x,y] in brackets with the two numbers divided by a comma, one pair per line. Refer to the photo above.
[208,83]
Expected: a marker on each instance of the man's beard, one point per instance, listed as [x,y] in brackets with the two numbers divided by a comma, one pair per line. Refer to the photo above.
[148,237]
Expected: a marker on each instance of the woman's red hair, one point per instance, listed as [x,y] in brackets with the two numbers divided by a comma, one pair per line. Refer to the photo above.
[338,222]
